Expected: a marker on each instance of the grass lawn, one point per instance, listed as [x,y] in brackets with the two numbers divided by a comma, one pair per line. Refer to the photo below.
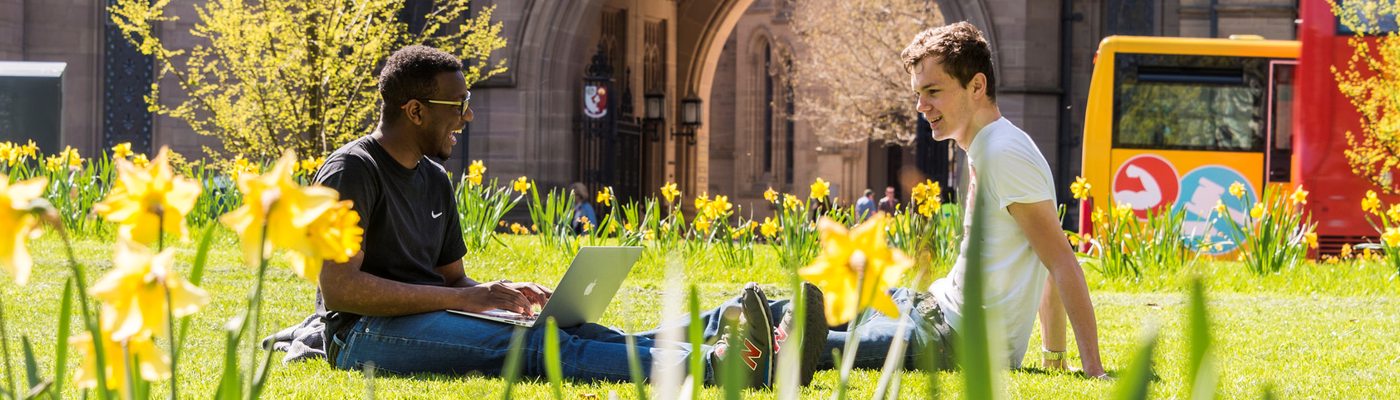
[1312,331]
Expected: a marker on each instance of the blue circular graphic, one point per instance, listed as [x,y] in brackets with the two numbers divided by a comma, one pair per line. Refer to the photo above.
[1201,189]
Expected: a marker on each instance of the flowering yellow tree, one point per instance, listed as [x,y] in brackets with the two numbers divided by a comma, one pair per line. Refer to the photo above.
[1369,81]
[273,75]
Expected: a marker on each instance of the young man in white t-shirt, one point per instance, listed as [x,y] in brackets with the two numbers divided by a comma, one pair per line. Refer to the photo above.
[1029,266]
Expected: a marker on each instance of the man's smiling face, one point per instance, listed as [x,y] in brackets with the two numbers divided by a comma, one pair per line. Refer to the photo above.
[944,102]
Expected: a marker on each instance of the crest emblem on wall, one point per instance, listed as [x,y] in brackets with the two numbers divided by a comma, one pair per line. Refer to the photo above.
[595,101]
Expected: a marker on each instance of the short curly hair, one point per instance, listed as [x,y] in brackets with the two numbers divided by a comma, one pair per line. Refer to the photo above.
[961,49]
[411,73]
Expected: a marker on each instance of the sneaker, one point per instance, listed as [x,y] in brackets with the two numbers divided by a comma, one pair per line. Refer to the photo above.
[752,342]
[814,338]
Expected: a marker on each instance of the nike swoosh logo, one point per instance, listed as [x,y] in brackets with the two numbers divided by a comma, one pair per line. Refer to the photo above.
[437,214]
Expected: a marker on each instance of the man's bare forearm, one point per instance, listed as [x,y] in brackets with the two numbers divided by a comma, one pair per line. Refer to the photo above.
[1074,293]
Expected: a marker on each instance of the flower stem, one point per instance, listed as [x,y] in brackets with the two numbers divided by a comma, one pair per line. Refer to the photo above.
[255,310]
[5,342]
[169,313]
[88,319]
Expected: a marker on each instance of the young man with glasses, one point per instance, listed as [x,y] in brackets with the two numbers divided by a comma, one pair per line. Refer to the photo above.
[387,305]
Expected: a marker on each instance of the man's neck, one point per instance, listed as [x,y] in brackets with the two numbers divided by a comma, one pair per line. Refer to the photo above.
[398,142]
[982,117]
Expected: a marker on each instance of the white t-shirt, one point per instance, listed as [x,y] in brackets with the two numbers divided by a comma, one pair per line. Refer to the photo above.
[1010,169]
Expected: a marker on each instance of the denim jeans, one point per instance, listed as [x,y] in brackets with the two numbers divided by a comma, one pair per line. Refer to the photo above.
[930,333]
[441,342]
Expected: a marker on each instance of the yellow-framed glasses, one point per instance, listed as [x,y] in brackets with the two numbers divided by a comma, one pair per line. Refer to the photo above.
[461,104]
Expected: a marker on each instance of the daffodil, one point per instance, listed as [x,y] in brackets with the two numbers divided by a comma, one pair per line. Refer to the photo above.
[121,150]
[854,267]
[702,224]
[1257,212]
[310,165]
[140,161]
[669,192]
[153,365]
[30,150]
[53,164]
[275,200]
[1311,239]
[16,222]
[1299,196]
[605,196]
[134,293]
[475,172]
[1391,237]
[522,185]
[1393,213]
[1080,188]
[701,202]
[335,236]
[770,195]
[717,208]
[791,202]
[1346,251]
[820,189]
[1237,190]
[1122,211]
[769,228]
[144,202]
[1371,203]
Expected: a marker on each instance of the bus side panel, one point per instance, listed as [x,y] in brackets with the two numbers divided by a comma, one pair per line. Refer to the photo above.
[1322,116]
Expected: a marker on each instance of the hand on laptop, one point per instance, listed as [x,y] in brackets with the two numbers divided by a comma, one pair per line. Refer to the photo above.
[506,295]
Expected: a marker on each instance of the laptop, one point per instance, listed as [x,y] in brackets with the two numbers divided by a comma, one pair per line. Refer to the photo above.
[583,294]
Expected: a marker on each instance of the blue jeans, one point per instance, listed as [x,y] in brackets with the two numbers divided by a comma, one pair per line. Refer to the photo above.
[441,342]
[930,333]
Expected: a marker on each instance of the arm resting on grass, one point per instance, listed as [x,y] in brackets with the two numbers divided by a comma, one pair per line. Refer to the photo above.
[1038,221]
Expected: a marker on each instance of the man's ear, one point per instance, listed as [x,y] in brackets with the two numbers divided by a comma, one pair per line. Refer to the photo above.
[978,84]
[413,110]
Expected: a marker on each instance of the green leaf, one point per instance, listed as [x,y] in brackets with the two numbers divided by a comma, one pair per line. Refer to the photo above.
[634,364]
[231,383]
[1201,374]
[552,366]
[1133,384]
[65,316]
[31,366]
[696,336]
[975,351]
[512,365]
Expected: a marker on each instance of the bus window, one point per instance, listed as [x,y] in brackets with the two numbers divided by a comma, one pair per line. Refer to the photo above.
[1189,102]
[1281,120]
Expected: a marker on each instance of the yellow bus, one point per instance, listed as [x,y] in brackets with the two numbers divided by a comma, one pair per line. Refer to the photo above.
[1173,122]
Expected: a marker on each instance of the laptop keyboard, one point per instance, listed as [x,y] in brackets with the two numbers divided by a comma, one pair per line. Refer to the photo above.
[503,314]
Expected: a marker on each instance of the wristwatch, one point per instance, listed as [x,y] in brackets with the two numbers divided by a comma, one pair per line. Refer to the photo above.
[1048,355]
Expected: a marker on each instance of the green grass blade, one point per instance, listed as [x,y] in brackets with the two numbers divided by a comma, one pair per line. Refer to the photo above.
[65,316]
[697,360]
[231,383]
[552,366]
[512,366]
[634,364]
[31,366]
[1133,384]
[974,351]
[1201,373]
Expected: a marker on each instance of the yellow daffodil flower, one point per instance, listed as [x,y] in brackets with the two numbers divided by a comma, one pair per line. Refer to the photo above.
[670,192]
[140,161]
[153,364]
[30,150]
[1221,210]
[1080,188]
[144,202]
[134,292]
[16,222]
[1346,251]
[1371,203]
[1300,196]
[605,196]
[1393,213]
[310,165]
[791,202]
[702,201]
[769,228]
[820,189]
[335,236]
[522,185]
[1122,211]
[701,224]
[1257,212]
[70,155]
[121,150]
[1237,190]
[475,172]
[770,195]
[1311,239]
[53,164]
[717,208]
[287,209]
[1391,237]
[854,268]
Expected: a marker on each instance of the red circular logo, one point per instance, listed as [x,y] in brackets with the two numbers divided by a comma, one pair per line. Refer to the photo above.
[1145,182]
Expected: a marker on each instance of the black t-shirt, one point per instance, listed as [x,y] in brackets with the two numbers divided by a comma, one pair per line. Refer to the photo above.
[409,217]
